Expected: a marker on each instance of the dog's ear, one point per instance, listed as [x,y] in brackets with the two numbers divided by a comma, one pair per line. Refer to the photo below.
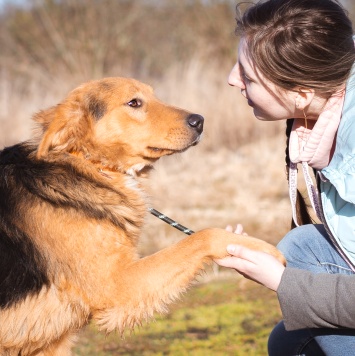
[67,126]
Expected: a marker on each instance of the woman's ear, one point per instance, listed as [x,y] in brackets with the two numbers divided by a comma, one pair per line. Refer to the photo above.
[304,98]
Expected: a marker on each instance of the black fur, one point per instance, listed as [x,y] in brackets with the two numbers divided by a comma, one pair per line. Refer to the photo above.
[58,183]
[97,108]
[22,266]
[25,180]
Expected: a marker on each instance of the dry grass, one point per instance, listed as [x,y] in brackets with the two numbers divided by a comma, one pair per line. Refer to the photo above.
[216,188]
[236,174]
[219,318]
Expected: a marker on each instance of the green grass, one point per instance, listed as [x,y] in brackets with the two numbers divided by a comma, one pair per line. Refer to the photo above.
[232,317]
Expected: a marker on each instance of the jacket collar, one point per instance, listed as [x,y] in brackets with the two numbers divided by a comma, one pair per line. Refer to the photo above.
[315,144]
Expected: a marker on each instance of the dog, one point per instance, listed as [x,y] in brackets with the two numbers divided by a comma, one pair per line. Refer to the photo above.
[71,210]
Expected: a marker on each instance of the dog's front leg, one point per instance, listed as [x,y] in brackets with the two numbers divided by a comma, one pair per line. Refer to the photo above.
[151,283]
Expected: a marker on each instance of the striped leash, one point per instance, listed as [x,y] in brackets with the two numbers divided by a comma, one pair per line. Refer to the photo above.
[171,222]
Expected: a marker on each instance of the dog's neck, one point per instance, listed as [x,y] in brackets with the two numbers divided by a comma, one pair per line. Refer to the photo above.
[109,171]
[136,171]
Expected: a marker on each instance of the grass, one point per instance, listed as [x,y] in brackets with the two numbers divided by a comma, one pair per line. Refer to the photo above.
[235,175]
[223,317]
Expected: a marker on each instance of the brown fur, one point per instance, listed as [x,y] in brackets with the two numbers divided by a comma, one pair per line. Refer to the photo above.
[80,205]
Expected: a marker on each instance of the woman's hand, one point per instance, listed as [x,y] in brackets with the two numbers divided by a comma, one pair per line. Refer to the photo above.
[239,230]
[255,265]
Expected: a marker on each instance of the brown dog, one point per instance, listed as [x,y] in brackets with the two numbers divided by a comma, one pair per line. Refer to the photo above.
[71,211]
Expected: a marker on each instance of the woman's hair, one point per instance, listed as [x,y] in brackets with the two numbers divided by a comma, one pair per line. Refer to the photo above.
[299,44]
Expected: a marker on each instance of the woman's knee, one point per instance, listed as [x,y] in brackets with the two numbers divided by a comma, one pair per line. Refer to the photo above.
[298,342]
[298,240]
[304,246]
[277,334]
[282,342]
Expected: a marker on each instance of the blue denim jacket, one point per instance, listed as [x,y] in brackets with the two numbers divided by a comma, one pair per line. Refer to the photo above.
[337,181]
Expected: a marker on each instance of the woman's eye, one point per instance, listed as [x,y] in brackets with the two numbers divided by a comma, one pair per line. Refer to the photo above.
[246,79]
[135,103]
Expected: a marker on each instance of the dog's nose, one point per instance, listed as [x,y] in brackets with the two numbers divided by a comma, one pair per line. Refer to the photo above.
[196,121]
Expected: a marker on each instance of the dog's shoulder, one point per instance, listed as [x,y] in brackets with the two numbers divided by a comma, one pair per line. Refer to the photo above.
[16,168]
[57,180]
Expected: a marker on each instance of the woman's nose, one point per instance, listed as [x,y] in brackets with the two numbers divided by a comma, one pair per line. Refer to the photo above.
[234,78]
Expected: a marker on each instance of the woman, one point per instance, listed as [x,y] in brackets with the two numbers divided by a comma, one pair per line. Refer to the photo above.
[294,63]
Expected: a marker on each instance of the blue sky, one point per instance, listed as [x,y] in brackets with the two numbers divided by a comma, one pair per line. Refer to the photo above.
[2,2]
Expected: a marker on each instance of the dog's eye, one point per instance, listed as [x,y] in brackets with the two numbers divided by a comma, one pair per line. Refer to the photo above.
[135,103]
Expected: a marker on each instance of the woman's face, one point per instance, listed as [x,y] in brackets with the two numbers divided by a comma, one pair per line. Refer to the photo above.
[269,102]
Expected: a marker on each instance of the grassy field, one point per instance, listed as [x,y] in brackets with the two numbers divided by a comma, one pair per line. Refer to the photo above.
[219,315]
[185,50]
[222,317]
[235,175]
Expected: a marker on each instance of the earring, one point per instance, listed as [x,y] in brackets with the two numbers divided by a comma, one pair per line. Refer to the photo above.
[297,102]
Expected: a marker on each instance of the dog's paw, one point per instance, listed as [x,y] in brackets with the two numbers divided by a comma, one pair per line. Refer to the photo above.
[218,240]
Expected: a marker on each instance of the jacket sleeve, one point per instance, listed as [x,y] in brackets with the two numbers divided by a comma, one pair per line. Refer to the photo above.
[311,300]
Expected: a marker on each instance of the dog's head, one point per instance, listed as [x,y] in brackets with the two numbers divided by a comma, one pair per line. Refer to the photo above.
[119,123]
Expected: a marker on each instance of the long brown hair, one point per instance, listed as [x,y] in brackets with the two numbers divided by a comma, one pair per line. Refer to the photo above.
[299,44]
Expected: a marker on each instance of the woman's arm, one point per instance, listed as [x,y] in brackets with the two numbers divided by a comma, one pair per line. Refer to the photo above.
[307,300]
[310,300]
